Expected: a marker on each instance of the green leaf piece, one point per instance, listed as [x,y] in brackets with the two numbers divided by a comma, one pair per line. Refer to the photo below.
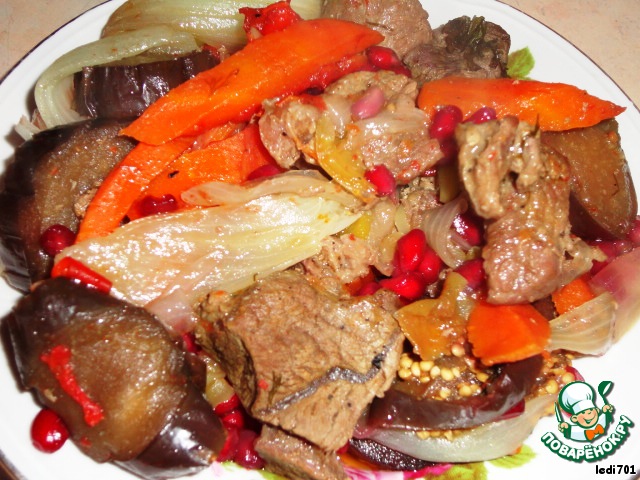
[520,63]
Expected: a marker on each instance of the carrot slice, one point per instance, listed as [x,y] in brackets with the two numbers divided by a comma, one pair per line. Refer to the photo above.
[506,333]
[572,295]
[124,183]
[275,65]
[553,106]
[230,160]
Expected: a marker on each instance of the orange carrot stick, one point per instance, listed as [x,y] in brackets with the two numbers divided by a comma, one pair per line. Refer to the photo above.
[275,65]
[572,295]
[553,106]
[506,333]
[229,160]
[124,183]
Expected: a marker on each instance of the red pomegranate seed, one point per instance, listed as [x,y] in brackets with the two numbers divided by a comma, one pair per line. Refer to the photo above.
[235,418]
[473,272]
[230,404]
[449,149]
[410,250]
[246,455]
[430,266]
[268,170]
[48,432]
[383,57]
[482,115]
[409,285]
[56,238]
[382,179]
[470,228]
[444,122]
[151,205]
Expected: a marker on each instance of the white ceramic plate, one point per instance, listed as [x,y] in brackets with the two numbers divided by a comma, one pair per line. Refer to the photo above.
[556,60]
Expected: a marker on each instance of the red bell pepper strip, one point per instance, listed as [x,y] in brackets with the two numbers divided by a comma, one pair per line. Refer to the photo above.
[58,359]
[275,65]
[552,106]
[272,18]
[69,267]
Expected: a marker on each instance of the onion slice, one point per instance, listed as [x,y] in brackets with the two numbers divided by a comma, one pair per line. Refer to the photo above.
[487,442]
[587,329]
[53,91]
[216,248]
[437,226]
[620,278]
[212,22]
[305,183]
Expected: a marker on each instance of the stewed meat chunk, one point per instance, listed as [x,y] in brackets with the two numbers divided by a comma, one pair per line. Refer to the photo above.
[301,359]
[394,134]
[523,193]
[404,24]
[295,458]
[467,47]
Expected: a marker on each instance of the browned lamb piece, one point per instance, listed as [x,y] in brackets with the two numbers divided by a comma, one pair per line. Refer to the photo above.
[301,359]
[404,24]
[464,46]
[396,136]
[522,191]
[295,458]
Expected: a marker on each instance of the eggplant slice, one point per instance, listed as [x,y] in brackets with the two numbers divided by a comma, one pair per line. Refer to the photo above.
[403,407]
[123,91]
[42,184]
[603,206]
[121,384]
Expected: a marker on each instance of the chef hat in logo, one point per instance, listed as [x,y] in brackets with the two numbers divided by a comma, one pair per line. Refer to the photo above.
[577,397]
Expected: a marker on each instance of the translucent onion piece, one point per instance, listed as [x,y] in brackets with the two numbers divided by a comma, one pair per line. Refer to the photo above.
[53,91]
[587,329]
[218,248]
[305,183]
[383,236]
[620,278]
[211,22]
[437,226]
[487,442]
[342,165]
[175,311]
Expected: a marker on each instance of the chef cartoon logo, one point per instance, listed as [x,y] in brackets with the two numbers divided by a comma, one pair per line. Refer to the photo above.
[588,421]
[587,417]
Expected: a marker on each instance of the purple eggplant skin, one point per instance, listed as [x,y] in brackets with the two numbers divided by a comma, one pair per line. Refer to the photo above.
[123,91]
[385,457]
[43,182]
[155,420]
[602,206]
[402,408]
